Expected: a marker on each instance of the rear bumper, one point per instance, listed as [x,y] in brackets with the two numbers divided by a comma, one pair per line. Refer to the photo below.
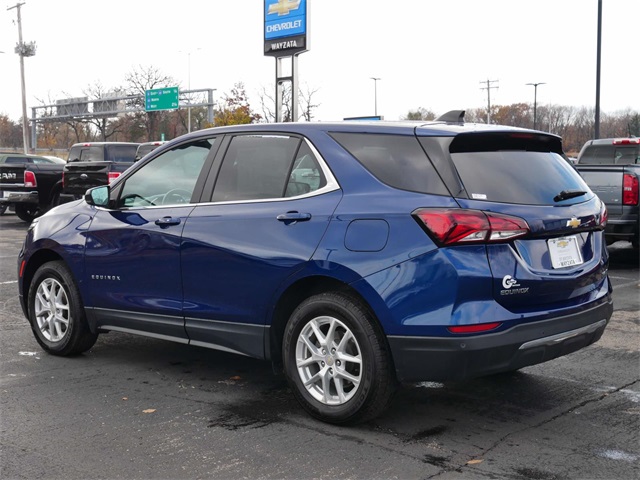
[11,198]
[458,358]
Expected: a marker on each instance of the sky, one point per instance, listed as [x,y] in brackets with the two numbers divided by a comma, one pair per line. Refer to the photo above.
[433,54]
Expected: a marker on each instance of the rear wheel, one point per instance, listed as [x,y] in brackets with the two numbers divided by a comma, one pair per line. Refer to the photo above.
[27,213]
[56,313]
[3,208]
[337,360]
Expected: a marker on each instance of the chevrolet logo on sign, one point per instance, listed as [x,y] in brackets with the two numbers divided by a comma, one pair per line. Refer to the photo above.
[573,223]
[283,7]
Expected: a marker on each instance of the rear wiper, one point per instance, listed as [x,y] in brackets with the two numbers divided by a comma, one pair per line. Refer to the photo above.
[566,194]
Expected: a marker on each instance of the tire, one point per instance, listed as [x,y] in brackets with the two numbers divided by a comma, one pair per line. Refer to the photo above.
[337,361]
[56,312]
[26,213]
[55,198]
[3,208]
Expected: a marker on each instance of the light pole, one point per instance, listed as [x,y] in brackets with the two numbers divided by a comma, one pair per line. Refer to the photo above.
[189,87]
[535,102]
[23,50]
[375,94]
[598,61]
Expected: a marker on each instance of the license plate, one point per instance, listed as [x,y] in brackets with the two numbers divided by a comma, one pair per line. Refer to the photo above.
[564,252]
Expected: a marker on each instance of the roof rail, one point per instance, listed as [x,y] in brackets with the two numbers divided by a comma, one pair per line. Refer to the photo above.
[452,116]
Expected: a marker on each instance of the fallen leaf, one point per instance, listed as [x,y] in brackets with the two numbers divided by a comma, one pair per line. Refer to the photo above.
[149,410]
[125,398]
[474,462]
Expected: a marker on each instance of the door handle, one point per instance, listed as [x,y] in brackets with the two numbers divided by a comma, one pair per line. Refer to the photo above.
[293,217]
[167,222]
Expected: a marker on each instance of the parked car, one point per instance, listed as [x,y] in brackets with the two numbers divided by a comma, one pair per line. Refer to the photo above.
[29,184]
[55,159]
[96,163]
[611,168]
[352,255]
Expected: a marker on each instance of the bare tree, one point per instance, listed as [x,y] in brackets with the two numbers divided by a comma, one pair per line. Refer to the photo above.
[305,100]
[138,81]
[105,125]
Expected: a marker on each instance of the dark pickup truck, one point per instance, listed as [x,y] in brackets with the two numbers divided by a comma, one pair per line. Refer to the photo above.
[30,184]
[611,168]
[96,163]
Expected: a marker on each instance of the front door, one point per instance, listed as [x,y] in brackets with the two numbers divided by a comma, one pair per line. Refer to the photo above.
[133,251]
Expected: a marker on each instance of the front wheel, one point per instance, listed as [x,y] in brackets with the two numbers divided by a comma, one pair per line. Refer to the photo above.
[336,360]
[56,313]
[27,212]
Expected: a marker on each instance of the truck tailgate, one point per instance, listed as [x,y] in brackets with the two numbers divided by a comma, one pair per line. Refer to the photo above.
[81,176]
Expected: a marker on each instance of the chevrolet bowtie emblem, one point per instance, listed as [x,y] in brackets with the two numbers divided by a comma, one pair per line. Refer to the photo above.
[283,7]
[573,223]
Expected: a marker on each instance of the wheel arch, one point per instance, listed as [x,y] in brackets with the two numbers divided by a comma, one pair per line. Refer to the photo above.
[38,259]
[293,296]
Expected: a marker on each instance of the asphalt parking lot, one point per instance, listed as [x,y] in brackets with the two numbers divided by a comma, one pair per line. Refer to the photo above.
[136,407]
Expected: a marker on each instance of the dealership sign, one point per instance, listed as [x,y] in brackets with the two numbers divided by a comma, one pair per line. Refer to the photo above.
[285,27]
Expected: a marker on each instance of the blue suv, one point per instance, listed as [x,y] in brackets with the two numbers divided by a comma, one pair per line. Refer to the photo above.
[354,256]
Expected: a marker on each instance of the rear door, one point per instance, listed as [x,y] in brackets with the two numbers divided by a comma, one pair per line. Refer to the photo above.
[272,202]
[563,260]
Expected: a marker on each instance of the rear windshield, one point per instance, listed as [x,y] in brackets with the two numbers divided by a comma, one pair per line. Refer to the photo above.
[396,160]
[609,154]
[120,153]
[520,177]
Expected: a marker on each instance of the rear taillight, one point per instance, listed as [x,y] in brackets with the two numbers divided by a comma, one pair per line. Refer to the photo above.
[30,179]
[604,215]
[113,176]
[450,226]
[629,189]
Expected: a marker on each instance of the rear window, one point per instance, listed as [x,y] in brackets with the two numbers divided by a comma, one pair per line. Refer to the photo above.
[609,155]
[120,153]
[144,149]
[396,160]
[520,177]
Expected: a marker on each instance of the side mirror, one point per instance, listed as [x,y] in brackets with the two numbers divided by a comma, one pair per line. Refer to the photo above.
[98,196]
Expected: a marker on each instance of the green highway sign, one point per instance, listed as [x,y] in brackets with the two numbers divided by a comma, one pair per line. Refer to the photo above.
[161,99]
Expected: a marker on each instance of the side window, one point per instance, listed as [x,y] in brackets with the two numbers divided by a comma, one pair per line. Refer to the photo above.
[397,160]
[169,179]
[306,174]
[18,160]
[256,167]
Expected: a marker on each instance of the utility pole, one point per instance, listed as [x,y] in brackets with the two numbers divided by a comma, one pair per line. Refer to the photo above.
[488,88]
[23,50]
